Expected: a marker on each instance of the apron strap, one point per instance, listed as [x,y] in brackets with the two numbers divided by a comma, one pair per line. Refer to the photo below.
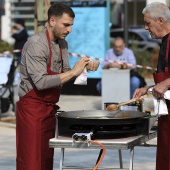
[62,66]
[167,53]
[50,49]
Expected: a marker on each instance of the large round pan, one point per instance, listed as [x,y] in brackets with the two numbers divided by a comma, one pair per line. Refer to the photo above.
[102,116]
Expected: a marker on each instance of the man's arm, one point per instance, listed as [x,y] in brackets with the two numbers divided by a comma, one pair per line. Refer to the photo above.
[36,59]
[78,69]
[141,91]
[19,35]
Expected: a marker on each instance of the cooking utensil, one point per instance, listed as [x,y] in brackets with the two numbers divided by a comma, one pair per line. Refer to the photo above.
[113,107]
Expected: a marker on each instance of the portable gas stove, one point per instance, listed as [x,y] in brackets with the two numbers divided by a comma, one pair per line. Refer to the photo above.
[103,124]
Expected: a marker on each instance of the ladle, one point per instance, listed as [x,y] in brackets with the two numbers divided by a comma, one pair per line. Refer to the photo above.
[113,107]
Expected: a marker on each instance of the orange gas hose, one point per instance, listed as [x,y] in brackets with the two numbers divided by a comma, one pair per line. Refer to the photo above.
[103,153]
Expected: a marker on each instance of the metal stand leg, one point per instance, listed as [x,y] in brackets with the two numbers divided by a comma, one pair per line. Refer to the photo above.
[131,158]
[120,159]
[61,158]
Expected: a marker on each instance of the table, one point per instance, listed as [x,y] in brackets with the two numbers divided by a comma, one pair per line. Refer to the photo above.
[121,144]
[115,85]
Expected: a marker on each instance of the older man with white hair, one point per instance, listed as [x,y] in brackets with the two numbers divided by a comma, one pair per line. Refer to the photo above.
[157,22]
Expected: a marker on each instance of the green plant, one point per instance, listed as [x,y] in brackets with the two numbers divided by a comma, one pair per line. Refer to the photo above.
[144,58]
[4,46]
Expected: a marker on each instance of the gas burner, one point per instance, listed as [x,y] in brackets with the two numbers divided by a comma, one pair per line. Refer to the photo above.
[104,131]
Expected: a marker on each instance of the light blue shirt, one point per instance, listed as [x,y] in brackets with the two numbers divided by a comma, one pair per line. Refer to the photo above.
[127,56]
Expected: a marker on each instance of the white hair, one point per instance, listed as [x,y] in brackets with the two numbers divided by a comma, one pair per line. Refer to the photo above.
[156,10]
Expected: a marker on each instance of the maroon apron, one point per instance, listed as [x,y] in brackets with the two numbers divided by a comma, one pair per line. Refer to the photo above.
[163,143]
[36,125]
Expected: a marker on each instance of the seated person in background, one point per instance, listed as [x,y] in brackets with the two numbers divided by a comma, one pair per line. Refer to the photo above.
[121,54]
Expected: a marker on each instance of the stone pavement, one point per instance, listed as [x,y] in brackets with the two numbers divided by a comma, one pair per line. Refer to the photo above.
[144,157]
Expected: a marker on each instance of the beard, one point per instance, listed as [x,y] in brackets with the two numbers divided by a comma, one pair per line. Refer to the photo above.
[56,34]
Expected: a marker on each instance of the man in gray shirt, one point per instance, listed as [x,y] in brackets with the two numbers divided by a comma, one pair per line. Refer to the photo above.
[44,69]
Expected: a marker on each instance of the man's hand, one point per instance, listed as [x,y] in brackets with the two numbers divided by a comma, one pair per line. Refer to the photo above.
[13,30]
[159,89]
[140,92]
[114,64]
[79,66]
[85,62]
[92,65]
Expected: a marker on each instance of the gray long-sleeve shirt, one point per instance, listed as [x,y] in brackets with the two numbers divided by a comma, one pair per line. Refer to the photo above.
[35,58]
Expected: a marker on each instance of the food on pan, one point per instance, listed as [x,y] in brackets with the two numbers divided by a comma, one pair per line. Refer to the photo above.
[123,115]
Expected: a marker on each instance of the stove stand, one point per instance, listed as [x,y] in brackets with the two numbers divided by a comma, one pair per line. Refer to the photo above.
[121,144]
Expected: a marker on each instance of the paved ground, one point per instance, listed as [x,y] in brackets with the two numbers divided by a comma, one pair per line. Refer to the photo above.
[144,157]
